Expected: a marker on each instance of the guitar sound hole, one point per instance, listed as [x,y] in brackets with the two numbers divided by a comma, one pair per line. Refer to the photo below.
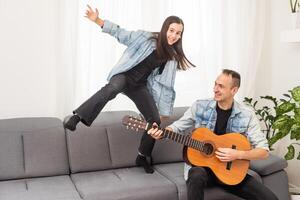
[208,149]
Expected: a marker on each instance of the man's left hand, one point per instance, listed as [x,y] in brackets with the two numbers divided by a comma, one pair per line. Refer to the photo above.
[227,154]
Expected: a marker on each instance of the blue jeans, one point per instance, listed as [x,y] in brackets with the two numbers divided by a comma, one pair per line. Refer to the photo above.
[138,93]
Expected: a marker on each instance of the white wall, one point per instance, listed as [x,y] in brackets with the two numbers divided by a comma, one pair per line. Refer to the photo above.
[28,51]
[279,69]
[280,63]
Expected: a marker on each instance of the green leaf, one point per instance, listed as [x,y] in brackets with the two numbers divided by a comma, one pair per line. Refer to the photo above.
[258,112]
[295,131]
[270,118]
[284,132]
[281,122]
[255,104]
[298,157]
[285,107]
[273,99]
[297,114]
[287,95]
[266,108]
[283,100]
[248,100]
[291,153]
[296,93]
[268,97]
[273,139]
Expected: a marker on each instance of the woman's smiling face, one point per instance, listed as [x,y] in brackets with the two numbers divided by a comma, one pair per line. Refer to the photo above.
[174,33]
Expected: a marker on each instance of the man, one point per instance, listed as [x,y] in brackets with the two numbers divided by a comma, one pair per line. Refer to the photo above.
[224,115]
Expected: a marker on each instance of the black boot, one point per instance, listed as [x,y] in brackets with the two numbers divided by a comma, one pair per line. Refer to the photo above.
[72,122]
[142,161]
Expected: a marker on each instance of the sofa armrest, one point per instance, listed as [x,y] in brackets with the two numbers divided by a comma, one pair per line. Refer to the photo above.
[268,166]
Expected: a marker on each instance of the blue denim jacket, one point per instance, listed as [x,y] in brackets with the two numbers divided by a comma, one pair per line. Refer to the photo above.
[242,120]
[139,46]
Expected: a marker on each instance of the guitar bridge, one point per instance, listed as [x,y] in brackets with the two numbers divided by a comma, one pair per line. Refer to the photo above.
[228,166]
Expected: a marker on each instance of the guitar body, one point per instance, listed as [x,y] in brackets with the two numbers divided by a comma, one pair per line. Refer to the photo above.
[230,173]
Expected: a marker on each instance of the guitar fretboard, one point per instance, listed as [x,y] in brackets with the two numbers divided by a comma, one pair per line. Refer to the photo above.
[186,140]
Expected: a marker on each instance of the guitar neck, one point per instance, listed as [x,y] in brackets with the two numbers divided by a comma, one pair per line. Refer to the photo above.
[139,124]
[186,140]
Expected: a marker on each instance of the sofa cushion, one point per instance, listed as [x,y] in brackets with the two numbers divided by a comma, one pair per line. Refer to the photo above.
[58,188]
[88,149]
[268,166]
[123,146]
[32,147]
[166,150]
[106,144]
[278,182]
[125,184]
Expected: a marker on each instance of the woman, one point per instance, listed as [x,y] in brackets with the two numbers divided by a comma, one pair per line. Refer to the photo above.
[145,73]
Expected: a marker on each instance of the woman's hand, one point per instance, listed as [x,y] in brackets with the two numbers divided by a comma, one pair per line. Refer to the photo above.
[91,14]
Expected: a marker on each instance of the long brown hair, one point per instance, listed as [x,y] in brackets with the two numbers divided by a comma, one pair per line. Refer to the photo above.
[164,50]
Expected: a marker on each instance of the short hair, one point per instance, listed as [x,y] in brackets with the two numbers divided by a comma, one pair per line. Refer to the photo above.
[236,77]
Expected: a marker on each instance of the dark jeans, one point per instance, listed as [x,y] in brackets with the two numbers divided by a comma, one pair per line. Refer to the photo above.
[139,94]
[249,188]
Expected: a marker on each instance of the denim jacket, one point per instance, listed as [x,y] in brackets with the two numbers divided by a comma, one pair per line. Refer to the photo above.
[242,120]
[139,46]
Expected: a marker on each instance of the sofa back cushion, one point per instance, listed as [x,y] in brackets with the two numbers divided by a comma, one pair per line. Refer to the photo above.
[107,144]
[32,147]
[167,150]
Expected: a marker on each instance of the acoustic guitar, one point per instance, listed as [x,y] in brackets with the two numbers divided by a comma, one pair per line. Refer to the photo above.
[199,149]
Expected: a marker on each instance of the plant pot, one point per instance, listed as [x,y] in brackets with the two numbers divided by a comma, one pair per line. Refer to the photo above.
[298,20]
[295,20]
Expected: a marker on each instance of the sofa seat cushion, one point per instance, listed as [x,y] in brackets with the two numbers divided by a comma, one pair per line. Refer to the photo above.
[49,188]
[174,172]
[125,183]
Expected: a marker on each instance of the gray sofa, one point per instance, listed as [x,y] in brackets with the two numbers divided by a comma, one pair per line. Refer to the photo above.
[39,160]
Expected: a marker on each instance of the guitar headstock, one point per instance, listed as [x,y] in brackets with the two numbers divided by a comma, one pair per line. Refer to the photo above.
[134,123]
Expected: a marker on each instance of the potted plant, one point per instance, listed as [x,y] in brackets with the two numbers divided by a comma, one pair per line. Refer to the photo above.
[294,5]
[280,120]
[295,15]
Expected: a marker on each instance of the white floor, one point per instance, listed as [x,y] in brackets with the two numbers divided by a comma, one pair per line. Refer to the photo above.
[295,197]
